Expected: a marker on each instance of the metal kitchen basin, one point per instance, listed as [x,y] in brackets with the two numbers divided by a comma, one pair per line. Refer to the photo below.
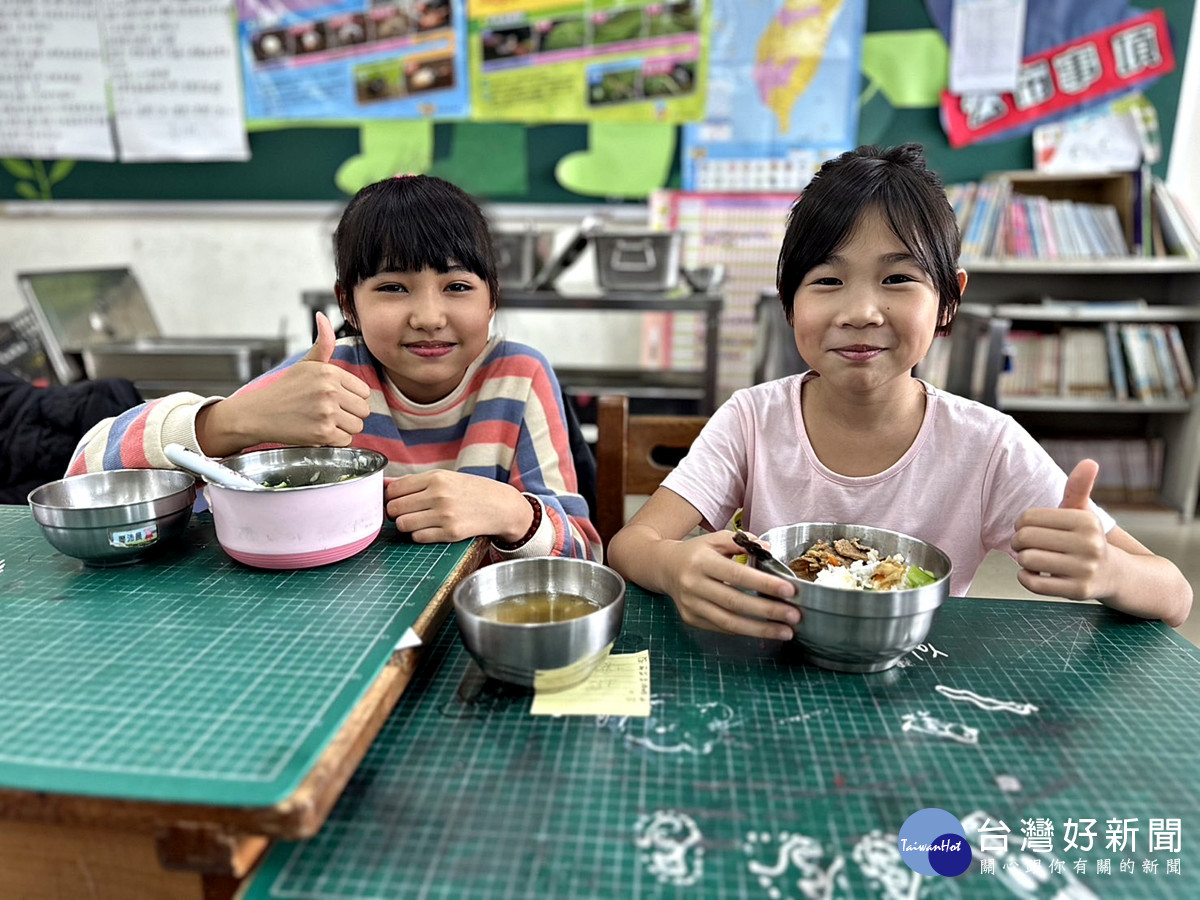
[163,365]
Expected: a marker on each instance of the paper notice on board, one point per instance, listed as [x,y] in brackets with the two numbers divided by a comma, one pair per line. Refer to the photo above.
[176,89]
[987,39]
[52,103]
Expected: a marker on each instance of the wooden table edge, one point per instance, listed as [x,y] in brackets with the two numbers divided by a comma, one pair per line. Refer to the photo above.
[299,815]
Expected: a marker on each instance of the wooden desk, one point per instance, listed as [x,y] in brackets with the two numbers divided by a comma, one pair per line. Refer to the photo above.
[162,721]
[760,777]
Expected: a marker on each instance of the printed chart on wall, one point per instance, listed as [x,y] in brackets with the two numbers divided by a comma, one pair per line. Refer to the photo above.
[353,59]
[783,94]
[741,232]
[550,61]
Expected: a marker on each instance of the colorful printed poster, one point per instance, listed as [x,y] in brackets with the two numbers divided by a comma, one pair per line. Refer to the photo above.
[783,94]
[595,61]
[353,59]
[1050,83]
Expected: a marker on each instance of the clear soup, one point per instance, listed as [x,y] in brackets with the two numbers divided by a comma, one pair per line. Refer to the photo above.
[539,608]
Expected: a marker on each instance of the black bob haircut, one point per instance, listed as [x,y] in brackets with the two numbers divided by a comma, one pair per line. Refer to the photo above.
[406,224]
[911,198]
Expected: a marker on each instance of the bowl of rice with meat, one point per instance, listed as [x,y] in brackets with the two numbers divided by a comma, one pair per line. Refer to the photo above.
[868,596]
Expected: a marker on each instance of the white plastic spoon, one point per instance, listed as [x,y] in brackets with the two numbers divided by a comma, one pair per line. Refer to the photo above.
[210,469]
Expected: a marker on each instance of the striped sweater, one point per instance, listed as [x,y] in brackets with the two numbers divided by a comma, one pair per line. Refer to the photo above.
[504,421]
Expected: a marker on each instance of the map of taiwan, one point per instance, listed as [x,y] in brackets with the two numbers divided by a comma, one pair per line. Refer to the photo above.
[789,52]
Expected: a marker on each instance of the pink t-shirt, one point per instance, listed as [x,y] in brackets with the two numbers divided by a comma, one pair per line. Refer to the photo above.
[961,485]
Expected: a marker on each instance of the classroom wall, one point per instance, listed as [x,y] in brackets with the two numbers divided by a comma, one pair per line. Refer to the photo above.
[239,269]
[1183,172]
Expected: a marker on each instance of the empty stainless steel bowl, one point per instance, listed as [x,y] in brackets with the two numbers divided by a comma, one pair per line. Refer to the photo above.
[861,631]
[548,656]
[113,518]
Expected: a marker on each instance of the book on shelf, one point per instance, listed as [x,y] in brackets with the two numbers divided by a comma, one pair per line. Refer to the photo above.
[1106,361]
[1130,468]
[1116,361]
[1157,336]
[935,367]
[1085,363]
[1183,365]
[1145,373]
[1022,215]
[1178,238]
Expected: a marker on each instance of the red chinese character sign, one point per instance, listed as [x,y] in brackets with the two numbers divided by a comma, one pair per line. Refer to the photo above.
[1106,62]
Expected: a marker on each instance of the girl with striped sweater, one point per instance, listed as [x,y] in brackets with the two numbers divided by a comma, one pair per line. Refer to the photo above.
[472,425]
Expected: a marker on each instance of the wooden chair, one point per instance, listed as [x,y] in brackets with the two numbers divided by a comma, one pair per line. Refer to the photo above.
[625,456]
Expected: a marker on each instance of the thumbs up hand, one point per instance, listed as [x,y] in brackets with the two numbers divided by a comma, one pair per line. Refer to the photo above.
[1064,552]
[311,403]
[322,350]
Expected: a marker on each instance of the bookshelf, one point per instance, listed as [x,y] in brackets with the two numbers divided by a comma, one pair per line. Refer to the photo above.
[1011,299]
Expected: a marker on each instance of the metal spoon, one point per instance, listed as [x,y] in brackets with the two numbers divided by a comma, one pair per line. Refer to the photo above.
[210,469]
[766,560]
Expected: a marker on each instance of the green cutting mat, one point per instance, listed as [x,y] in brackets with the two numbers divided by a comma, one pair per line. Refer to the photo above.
[191,677]
[763,778]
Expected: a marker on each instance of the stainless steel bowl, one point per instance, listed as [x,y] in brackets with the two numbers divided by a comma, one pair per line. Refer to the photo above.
[117,517]
[548,656]
[307,467]
[861,631]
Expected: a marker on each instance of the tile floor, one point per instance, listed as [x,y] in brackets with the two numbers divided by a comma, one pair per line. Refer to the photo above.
[1163,531]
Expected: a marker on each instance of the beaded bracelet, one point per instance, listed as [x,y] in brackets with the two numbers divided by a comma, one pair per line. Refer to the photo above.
[528,536]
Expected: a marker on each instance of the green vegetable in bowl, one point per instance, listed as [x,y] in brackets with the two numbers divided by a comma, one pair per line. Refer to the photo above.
[917,577]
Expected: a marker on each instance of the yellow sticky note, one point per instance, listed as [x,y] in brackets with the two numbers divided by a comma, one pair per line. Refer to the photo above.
[620,686]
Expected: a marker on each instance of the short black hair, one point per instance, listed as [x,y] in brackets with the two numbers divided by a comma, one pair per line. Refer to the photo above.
[410,223]
[893,180]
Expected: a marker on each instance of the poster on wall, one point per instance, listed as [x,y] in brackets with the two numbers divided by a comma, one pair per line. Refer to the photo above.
[353,59]
[595,61]
[173,75]
[52,85]
[1129,54]
[782,94]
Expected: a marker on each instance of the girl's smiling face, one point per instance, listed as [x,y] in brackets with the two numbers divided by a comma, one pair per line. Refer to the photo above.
[424,327]
[866,315]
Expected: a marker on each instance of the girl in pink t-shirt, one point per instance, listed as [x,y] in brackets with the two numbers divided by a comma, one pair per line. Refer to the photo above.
[868,274]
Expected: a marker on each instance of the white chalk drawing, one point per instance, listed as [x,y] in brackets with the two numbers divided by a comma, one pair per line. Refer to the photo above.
[795,854]
[1010,784]
[988,703]
[921,649]
[923,723]
[792,865]
[802,717]
[1031,870]
[878,857]
[686,731]
[670,845]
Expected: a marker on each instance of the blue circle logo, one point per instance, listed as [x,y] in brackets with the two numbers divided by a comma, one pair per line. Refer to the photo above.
[932,842]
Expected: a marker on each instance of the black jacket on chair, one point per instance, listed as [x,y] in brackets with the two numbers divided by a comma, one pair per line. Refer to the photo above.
[39,427]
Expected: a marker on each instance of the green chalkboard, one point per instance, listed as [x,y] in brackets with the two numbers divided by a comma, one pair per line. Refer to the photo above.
[300,163]
[191,678]
[756,776]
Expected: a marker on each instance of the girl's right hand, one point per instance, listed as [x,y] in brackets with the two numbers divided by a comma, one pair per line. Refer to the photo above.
[708,586]
[312,403]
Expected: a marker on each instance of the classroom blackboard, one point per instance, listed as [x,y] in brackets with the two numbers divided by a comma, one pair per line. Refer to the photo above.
[300,163]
